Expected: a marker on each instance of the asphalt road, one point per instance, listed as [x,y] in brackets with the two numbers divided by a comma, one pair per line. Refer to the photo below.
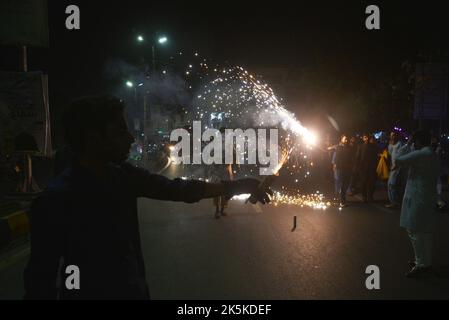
[253,254]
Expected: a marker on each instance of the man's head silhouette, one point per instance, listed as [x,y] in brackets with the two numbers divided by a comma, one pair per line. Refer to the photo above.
[95,129]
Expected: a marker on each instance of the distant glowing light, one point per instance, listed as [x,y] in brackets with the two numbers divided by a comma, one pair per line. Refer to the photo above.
[162,40]
[129,84]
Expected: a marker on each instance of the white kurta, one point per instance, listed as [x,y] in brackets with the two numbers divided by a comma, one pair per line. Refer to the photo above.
[393,151]
[418,212]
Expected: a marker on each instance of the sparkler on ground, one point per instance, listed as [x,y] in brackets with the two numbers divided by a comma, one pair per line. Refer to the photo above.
[315,200]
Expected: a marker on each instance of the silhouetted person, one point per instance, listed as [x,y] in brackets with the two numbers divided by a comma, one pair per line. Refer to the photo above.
[437,148]
[367,163]
[87,216]
[418,213]
[354,146]
[342,161]
[221,172]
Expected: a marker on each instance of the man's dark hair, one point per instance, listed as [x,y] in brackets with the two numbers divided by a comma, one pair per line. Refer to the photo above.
[423,137]
[88,115]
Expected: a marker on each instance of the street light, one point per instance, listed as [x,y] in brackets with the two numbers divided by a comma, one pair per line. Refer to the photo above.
[131,85]
[162,40]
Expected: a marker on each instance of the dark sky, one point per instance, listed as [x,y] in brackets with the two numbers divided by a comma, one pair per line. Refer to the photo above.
[254,34]
[251,33]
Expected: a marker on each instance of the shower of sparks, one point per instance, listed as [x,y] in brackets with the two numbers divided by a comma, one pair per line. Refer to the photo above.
[314,200]
[236,98]
[231,97]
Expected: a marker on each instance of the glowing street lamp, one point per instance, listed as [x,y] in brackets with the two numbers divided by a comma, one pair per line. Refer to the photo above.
[129,84]
[162,40]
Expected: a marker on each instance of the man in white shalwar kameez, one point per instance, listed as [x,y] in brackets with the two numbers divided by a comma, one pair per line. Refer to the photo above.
[418,213]
[395,178]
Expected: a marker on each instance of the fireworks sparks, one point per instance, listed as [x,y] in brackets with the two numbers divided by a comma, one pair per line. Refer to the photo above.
[231,97]
[315,200]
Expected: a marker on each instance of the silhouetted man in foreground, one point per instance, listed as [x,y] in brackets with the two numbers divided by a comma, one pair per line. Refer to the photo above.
[87,216]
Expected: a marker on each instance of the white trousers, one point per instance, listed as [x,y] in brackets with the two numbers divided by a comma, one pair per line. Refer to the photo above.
[422,246]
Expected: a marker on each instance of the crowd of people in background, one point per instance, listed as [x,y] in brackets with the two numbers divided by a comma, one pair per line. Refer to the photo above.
[411,166]
[359,163]
[354,163]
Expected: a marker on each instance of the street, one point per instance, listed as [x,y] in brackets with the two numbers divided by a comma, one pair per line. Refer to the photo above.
[253,253]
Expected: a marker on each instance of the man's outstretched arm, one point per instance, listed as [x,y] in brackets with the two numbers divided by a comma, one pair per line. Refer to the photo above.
[159,187]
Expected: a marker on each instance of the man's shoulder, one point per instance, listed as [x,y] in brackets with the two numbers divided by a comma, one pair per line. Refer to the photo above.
[57,190]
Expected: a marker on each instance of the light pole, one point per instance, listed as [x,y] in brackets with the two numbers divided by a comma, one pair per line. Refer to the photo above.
[161,40]
[130,84]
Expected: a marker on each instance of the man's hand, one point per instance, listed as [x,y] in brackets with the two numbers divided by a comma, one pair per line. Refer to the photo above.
[248,185]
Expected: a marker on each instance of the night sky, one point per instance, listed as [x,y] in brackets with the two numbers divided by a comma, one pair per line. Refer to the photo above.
[327,38]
